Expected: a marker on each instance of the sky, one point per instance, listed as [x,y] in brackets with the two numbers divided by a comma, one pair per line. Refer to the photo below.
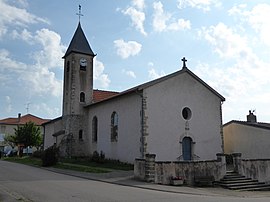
[226,43]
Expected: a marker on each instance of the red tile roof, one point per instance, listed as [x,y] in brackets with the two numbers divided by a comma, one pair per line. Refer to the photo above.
[99,95]
[23,120]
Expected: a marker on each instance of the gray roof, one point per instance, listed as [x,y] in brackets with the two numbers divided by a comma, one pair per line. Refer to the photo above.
[153,82]
[252,124]
[79,43]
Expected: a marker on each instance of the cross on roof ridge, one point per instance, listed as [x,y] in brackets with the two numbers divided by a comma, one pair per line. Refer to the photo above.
[80,12]
[184,62]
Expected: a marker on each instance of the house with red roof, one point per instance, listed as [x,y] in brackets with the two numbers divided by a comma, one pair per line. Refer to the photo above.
[177,117]
[8,125]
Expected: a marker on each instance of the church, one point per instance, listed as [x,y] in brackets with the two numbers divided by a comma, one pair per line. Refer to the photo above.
[178,117]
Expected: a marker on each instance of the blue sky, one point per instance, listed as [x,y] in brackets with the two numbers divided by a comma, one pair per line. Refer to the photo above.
[226,43]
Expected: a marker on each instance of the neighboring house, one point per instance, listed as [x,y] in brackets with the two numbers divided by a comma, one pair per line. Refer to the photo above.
[8,125]
[176,117]
[250,138]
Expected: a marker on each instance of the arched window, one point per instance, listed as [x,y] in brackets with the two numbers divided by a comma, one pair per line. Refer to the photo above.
[82,97]
[94,129]
[187,148]
[68,66]
[114,127]
[80,134]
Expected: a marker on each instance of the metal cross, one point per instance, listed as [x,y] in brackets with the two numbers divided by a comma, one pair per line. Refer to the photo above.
[184,62]
[80,12]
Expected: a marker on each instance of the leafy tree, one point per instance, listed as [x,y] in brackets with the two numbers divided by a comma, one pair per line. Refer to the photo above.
[28,135]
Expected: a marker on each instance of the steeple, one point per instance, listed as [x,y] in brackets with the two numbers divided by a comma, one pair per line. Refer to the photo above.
[79,43]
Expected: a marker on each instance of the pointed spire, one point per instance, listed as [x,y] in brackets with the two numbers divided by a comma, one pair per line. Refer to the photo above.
[79,43]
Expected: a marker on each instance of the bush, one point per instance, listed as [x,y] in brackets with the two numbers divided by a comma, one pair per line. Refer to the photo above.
[37,154]
[50,156]
[98,158]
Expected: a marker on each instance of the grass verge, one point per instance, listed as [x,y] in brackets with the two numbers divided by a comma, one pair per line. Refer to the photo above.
[79,164]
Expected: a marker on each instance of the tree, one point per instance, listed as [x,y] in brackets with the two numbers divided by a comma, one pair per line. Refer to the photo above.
[26,135]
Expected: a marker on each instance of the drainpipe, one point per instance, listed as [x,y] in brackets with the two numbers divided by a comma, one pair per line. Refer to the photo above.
[221,128]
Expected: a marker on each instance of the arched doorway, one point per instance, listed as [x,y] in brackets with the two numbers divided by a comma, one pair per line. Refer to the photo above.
[187,148]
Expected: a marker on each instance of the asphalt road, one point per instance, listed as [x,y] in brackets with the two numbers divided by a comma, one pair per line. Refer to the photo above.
[25,183]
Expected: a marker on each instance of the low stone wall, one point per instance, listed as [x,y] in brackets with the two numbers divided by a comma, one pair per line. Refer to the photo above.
[189,170]
[256,169]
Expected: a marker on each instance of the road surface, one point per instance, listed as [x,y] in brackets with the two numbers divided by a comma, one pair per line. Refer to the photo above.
[25,183]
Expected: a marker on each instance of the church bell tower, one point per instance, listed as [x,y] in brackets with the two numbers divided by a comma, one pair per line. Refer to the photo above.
[78,74]
[78,88]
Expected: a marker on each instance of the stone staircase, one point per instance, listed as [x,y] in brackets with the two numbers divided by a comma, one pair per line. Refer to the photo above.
[234,181]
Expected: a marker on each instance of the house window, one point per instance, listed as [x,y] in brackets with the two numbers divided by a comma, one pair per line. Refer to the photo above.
[3,129]
[80,134]
[94,129]
[82,97]
[186,113]
[114,127]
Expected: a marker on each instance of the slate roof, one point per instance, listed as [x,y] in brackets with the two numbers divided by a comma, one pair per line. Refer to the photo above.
[79,43]
[23,120]
[252,124]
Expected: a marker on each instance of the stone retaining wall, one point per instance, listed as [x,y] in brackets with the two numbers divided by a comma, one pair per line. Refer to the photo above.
[256,169]
[161,172]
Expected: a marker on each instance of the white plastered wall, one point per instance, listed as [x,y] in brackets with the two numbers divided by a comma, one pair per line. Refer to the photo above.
[128,108]
[166,126]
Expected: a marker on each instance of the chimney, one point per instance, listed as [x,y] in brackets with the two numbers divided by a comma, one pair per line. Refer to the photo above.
[19,117]
[251,118]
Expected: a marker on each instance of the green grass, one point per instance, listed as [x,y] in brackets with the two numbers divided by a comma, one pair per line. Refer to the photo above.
[81,168]
[109,164]
[78,164]
[24,160]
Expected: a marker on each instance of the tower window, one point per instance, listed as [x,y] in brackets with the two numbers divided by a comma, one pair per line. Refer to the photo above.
[80,134]
[94,129]
[114,127]
[82,97]
[68,66]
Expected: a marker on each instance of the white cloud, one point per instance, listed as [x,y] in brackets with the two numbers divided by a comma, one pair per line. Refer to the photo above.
[101,80]
[11,15]
[140,4]
[204,5]
[241,75]
[53,50]
[226,42]
[43,108]
[127,49]
[153,74]
[129,73]
[137,15]
[257,17]
[160,19]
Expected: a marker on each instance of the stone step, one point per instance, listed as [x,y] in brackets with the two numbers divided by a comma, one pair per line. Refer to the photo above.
[245,184]
[257,186]
[235,180]
[226,178]
[244,181]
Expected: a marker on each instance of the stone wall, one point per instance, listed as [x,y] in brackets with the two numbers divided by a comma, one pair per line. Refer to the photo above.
[256,169]
[163,170]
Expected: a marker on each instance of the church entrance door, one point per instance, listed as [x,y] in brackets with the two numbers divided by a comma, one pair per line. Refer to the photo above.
[186,148]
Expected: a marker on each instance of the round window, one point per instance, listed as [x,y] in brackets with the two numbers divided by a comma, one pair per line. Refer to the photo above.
[186,113]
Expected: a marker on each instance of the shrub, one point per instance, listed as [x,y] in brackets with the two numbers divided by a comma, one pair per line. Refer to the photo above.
[98,158]
[50,156]
[37,154]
